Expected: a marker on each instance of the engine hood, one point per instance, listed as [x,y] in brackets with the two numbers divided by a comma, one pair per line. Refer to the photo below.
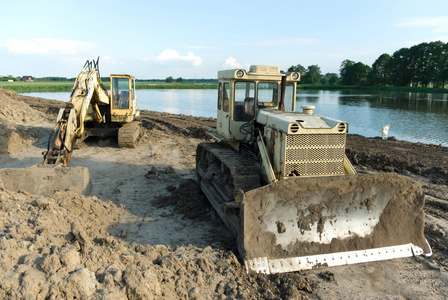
[297,122]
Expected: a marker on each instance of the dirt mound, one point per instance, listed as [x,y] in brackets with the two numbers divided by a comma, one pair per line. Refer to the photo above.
[401,157]
[148,233]
[188,126]
[14,111]
[46,179]
[20,124]
[60,247]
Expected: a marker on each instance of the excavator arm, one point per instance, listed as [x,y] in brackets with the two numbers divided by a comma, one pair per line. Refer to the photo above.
[87,92]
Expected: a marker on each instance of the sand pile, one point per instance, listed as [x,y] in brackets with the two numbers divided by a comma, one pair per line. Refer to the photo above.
[147,232]
[20,125]
[59,247]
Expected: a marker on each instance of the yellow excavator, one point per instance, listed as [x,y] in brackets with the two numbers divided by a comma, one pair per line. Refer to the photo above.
[93,111]
[281,182]
[90,111]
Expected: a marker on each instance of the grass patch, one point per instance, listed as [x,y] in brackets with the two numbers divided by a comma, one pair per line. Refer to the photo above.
[39,86]
[67,86]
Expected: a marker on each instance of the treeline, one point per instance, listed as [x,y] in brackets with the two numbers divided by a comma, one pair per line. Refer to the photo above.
[171,79]
[40,79]
[9,77]
[422,65]
[54,78]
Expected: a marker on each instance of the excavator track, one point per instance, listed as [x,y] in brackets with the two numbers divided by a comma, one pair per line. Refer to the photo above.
[224,175]
[128,134]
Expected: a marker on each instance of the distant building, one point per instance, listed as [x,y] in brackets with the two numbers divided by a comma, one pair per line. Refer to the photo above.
[27,79]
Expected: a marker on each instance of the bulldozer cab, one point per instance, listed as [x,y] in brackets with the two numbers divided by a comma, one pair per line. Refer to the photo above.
[123,99]
[242,93]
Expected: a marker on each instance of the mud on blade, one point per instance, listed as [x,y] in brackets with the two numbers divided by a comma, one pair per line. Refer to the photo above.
[304,223]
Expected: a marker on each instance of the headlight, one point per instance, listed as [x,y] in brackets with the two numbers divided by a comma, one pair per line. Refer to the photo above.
[295,76]
[240,73]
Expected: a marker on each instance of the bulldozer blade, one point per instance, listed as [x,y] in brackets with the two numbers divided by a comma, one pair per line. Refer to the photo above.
[304,223]
[45,180]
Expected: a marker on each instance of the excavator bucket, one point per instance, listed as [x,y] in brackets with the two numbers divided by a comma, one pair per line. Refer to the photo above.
[304,223]
[45,180]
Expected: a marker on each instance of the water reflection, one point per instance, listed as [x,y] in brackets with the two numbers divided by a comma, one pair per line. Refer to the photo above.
[416,117]
[199,103]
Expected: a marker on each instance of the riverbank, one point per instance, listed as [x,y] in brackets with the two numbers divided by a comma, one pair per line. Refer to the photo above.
[66,86]
[372,88]
[147,231]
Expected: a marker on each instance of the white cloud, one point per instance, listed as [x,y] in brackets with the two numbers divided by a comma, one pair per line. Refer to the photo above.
[232,63]
[48,46]
[172,55]
[440,24]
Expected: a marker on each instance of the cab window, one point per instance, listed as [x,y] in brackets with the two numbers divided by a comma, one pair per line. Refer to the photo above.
[267,93]
[120,90]
[225,97]
[133,89]
[220,96]
[244,109]
[289,94]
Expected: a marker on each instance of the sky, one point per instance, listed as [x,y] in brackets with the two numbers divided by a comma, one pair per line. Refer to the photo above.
[195,39]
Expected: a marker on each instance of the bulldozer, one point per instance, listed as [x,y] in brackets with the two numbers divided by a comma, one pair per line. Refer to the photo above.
[281,182]
[90,111]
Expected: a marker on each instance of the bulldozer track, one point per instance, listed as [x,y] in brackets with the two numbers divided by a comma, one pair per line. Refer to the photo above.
[228,171]
[223,176]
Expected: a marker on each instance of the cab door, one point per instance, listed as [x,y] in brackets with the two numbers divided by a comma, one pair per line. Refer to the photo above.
[223,123]
[122,94]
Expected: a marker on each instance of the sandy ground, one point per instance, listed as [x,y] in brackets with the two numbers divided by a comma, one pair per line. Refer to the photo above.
[147,232]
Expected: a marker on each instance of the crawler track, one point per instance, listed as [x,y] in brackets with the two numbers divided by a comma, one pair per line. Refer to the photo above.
[128,134]
[223,174]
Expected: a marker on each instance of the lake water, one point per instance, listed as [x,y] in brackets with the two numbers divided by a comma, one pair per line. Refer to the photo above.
[415,117]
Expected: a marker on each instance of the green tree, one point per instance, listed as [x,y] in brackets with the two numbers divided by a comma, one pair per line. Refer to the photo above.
[418,60]
[297,68]
[400,68]
[442,73]
[330,78]
[438,63]
[9,77]
[312,75]
[354,73]
[179,79]
[380,74]
[345,71]
[334,79]
[169,79]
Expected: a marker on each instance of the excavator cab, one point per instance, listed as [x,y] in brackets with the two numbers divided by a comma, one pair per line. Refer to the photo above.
[123,99]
